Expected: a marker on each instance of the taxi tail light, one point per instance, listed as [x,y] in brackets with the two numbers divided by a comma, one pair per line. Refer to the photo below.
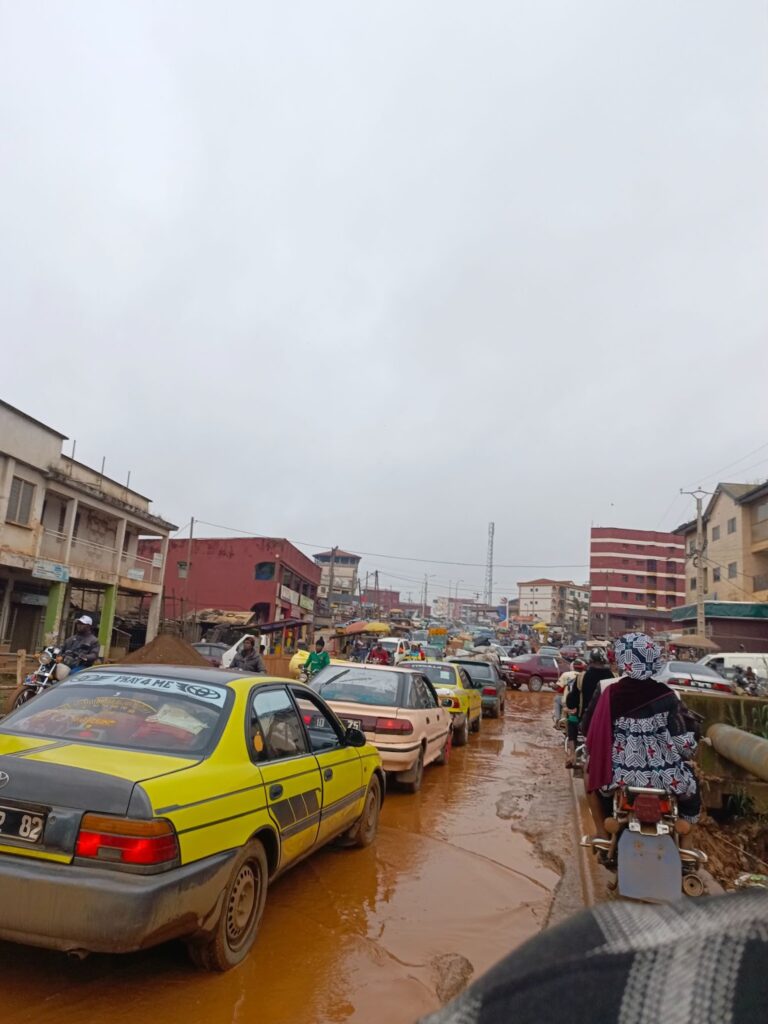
[394,725]
[455,702]
[128,841]
[489,691]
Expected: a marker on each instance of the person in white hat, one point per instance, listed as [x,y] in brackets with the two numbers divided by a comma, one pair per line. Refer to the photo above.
[82,648]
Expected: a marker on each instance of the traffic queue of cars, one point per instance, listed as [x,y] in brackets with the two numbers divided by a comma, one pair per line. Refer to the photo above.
[145,803]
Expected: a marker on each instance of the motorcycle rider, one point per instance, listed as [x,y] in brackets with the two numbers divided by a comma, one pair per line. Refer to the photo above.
[637,735]
[580,697]
[317,659]
[82,648]
[378,654]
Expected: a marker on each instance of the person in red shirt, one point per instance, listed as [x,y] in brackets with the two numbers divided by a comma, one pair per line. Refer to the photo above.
[378,655]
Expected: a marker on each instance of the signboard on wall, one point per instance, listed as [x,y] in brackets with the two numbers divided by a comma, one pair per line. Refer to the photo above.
[135,574]
[306,603]
[43,570]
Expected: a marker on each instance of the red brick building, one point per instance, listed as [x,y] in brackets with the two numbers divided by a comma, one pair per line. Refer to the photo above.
[264,575]
[637,578]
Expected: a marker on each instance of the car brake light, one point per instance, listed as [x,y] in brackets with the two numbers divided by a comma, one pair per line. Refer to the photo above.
[393,725]
[489,691]
[127,840]
[723,687]
[455,702]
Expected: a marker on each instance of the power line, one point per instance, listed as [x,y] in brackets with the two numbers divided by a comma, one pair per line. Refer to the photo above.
[409,558]
[731,464]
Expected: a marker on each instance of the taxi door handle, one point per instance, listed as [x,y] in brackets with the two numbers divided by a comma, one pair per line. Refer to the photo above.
[328,774]
[275,792]
[427,719]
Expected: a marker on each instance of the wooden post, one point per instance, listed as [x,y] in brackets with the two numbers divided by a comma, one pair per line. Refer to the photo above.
[21,664]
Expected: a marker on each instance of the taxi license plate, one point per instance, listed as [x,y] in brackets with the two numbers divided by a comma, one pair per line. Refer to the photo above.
[20,824]
[353,723]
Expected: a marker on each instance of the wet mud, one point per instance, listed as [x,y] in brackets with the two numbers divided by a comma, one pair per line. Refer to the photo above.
[477,862]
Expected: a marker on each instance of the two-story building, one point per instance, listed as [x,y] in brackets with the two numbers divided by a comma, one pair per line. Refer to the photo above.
[338,570]
[69,538]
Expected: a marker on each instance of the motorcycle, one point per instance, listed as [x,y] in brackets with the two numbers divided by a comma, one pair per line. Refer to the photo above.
[644,849]
[50,671]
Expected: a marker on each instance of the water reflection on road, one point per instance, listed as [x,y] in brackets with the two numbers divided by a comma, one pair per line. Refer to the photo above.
[367,935]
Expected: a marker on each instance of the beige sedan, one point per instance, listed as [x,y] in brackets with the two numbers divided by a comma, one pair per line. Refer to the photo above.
[397,709]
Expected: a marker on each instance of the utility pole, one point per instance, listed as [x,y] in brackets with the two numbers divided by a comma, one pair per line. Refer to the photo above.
[489,566]
[424,606]
[378,595]
[698,559]
[330,580]
[184,628]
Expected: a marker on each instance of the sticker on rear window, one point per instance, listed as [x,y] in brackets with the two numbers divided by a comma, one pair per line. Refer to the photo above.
[215,695]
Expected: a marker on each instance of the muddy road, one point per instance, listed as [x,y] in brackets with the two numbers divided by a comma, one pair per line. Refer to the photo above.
[481,859]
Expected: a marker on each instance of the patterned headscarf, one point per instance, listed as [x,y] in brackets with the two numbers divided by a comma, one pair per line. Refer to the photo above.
[637,656]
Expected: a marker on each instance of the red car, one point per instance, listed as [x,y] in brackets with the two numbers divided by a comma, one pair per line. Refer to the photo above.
[536,670]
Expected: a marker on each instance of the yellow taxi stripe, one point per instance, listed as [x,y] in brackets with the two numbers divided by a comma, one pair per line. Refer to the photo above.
[24,851]
[207,799]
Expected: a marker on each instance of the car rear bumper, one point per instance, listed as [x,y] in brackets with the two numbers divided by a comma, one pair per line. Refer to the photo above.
[69,907]
[489,703]
[399,758]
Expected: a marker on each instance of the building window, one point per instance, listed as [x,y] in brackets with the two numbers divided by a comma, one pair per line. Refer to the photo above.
[264,571]
[716,575]
[181,569]
[20,502]
[691,546]
[638,598]
[670,566]
[732,570]
[651,565]
[624,595]
[692,583]
[671,600]
[625,561]
[670,582]
[715,533]
[624,578]
[639,579]
[732,525]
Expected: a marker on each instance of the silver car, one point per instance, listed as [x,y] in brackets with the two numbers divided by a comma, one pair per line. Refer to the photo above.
[688,676]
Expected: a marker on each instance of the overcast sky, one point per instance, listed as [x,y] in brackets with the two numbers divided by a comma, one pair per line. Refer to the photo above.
[374,274]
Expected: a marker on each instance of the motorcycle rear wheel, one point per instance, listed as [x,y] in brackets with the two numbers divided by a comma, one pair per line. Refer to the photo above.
[20,696]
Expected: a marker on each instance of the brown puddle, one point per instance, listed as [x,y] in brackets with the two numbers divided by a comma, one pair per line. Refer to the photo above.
[369,935]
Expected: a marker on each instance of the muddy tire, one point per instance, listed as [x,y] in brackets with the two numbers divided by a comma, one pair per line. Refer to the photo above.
[476,723]
[20,696]
[241,913]
[535,683]
[363,832]
[442,757]
[413,785]
[461,736]
[496,710]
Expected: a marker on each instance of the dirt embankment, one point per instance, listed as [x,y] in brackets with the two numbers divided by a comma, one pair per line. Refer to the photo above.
[734,847]
[166,650]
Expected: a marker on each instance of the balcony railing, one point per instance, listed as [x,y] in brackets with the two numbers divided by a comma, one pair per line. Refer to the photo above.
[760,531]
[86,554]
[761,581]
[141,570]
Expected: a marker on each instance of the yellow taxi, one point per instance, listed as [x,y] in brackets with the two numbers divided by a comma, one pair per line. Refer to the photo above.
[452,683]
[145,803]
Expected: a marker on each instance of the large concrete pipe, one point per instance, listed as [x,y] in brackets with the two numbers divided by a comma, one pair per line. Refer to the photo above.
[742,748]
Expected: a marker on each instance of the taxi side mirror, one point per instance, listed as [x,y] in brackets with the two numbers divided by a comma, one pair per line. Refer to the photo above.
[446,702]
[354,737]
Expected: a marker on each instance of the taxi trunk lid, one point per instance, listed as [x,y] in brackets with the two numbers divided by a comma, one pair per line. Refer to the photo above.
[47,780]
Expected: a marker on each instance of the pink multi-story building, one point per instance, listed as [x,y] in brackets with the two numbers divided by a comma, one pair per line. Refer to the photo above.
[637,577]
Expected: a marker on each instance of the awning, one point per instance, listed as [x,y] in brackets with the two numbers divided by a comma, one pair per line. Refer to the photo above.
[272,627]
[355,628]
[703,643]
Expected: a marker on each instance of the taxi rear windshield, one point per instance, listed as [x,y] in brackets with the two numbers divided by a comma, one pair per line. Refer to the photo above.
[438,675]
[155,714]
[359,685]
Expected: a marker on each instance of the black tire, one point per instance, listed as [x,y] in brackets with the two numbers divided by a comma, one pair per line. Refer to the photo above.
[476,723]
[20,696]
[414,785]
[241,913]
[363,832]
[535,684]
[461,736]
[496,710]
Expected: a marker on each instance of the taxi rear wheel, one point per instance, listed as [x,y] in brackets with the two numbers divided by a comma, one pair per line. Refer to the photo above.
[241,913]
[363,832]
[461,736]
[413,784]
[476,723]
